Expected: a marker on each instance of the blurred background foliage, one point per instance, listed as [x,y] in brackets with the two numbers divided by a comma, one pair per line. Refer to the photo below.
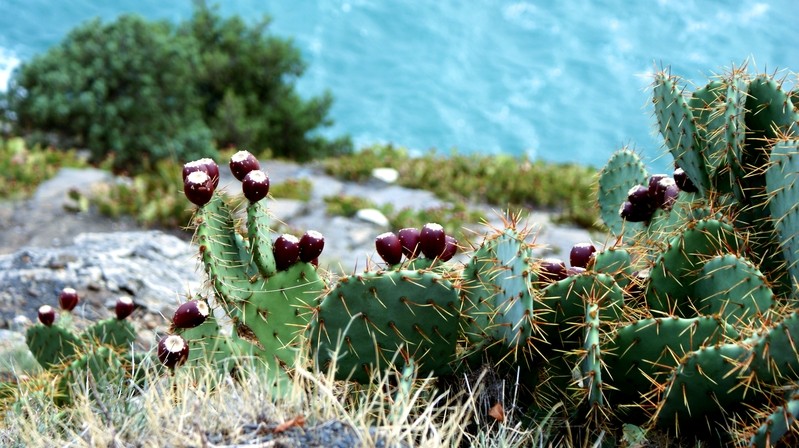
[143,91]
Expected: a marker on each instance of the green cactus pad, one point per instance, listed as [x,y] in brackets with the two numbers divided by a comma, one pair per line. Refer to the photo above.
[776,425]
[102,363]
[623,171]
[676,270]
[615,262]
[592,365]
[783,193]
[375,314]
[733,288]
[115,332]
[678,128]
[643,353]
[702,388]
[279,309]
[775,358]
[771,115]
[498,292]
[260,238]
[52,345]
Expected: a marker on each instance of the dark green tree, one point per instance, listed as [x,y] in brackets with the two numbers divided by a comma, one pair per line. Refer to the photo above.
[247,85]
[144,91]
[123,88]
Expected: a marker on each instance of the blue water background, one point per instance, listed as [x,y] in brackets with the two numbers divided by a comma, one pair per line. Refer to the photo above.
[556,80]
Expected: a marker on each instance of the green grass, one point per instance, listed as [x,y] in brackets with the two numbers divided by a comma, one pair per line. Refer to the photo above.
[24,169]
[500,180]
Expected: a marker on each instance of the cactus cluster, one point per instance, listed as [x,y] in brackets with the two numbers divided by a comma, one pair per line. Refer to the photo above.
[103,349]
[686,323]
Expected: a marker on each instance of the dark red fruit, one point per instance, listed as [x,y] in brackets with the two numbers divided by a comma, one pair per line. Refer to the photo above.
[207,165]
[172,351]
[409,239]
[684,182]
[670,194]
[635,213]
[653,183]
[190,314]
[286,251]
[255,185]
[68,299]
[198,188]
[124,307]
[389,248]
[46,315]
[242,163]
[637,286]
[580,254]
[450,250]
[311,245]
[552,270]
[432,240]
[639,195]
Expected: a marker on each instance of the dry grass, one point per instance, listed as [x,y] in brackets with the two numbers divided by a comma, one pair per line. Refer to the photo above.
[314,410]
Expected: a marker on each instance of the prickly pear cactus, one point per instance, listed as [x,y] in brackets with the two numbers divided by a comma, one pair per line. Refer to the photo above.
[376,320]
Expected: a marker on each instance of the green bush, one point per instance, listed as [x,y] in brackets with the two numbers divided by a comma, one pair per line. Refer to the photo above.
[144,91]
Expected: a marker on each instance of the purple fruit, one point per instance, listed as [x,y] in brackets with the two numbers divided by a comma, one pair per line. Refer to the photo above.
[580,254]
[658,191]
[432,240]
[255,185]
[46,315]
[198,188]
[635,213]
[389,248]
[242,163]
[637,286]
[670,194]
[286,251]
[190,314]
[552,270]
[684,182]
[124,307]
[311,245]
[68,299]
[639,194]
[451,249]
[172,351]
[653,183]
[207,165]
[409,238]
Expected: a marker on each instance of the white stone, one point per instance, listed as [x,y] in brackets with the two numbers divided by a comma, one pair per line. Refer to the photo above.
[373,216]
[387,175]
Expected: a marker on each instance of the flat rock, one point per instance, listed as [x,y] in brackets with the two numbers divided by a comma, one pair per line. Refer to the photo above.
[152,267]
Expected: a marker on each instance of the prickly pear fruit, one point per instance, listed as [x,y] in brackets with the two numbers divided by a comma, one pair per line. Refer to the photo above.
[68,299]
[255,185]
[124,307]
[242,163]
[190,314]
[312,243]
[409,239]
[198,188]
[46,315]
[207,165]
[172,351]
[389,248]
[432,240]
[286,251]
[580,254]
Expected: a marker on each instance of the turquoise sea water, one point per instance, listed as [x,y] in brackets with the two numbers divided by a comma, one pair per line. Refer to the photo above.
[557,80]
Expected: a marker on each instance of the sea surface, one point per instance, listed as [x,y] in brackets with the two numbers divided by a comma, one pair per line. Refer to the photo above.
[561,81]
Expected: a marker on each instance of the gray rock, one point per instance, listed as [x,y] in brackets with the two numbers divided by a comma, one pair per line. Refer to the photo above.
[152,267]
[373,216]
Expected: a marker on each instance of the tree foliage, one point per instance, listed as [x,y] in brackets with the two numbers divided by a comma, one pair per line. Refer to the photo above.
[147,90]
